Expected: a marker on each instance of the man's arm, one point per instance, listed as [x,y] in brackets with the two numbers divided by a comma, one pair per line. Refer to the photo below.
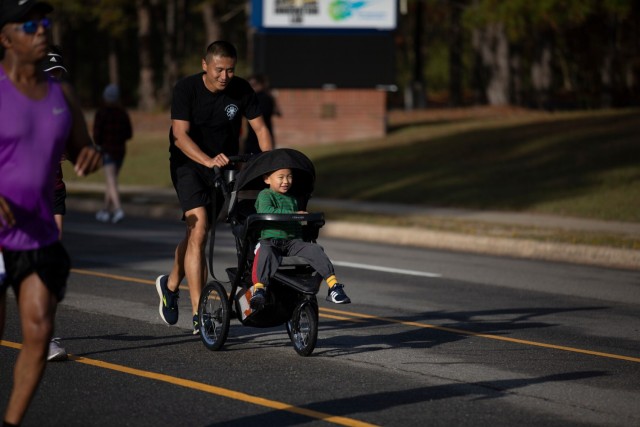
[183,141]
[262,132]
[80,148]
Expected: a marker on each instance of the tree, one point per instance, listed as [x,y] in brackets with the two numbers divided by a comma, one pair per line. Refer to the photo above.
[582,39]
[147,95]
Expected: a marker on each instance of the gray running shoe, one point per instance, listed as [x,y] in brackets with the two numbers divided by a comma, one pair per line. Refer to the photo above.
[56,351]
[118,216]
[103,216]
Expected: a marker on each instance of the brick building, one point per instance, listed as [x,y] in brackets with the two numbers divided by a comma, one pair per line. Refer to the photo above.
[312,116]
[329,69]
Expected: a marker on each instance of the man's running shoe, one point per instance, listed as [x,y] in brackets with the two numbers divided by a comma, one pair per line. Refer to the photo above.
[258,299]
[337,295]
[168,301]
[196,324]
[56,351]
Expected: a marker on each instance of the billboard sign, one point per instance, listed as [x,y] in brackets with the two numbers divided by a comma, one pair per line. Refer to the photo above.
[329,14]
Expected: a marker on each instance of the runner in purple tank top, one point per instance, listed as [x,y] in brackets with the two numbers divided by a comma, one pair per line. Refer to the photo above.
[39,120]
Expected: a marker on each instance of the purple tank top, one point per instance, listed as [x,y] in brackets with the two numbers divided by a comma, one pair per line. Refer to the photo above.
[33,135]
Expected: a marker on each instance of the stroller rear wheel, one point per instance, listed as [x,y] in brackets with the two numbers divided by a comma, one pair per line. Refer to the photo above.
[214,315]
[303,328]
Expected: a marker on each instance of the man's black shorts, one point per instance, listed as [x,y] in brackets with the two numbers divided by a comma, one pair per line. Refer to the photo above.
[51,263]
[59,198]
[194,186]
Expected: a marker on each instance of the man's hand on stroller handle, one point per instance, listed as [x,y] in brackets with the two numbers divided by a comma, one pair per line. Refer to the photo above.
[218,161]
[222,160]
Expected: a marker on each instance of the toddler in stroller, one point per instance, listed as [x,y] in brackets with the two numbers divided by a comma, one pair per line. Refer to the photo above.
[285,239]
[293,281]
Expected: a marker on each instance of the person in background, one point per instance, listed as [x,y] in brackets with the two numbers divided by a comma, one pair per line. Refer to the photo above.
[269,108]
[206,117]
[54,66]
[40,117]
[111,130]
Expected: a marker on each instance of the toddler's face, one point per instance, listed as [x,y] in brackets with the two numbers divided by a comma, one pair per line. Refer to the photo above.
[280,181]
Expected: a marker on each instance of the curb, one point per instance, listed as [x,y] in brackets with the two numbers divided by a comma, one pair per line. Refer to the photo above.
[518,248]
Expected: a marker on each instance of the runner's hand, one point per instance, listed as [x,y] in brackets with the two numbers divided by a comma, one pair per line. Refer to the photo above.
[89,160]
[6,216]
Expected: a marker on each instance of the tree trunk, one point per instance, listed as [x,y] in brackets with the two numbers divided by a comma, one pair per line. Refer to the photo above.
[609,67]
[455,56]
[169,54]
[113,63]
[181,25]
[492,48]
[147,100]
[418,85]
[211,23]
[515,77]
[541,74]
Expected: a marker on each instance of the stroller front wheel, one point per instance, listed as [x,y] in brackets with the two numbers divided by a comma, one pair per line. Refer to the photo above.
[214,315]
[303,328]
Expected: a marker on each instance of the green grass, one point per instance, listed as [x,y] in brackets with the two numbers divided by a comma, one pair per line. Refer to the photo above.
[583,164]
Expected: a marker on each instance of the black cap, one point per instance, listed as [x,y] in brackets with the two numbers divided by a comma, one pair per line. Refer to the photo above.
[16,10]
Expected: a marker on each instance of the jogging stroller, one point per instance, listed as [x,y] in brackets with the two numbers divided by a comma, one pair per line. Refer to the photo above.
[291,297]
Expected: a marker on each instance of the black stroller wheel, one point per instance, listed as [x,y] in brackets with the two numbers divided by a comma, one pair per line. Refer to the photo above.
[303,328]
[214,315]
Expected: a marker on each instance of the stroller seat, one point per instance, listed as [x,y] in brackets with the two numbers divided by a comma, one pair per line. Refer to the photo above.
[246,227]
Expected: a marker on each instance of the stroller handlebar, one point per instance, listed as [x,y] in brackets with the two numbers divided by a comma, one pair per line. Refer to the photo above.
[218,179]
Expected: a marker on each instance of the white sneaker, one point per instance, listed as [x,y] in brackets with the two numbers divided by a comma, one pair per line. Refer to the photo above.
[103,216]
[118,216]
[56,351]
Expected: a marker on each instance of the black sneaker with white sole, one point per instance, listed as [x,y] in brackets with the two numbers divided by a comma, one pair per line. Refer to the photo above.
[168,301]
[337,295]
[196,324]
[258,299]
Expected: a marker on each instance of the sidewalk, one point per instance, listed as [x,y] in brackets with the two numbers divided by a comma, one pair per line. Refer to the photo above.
[162,203]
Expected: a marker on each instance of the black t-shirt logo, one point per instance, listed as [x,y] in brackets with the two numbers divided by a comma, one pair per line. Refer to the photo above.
[231,111]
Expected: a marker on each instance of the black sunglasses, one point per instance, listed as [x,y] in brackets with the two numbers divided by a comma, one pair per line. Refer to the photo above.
[30,27]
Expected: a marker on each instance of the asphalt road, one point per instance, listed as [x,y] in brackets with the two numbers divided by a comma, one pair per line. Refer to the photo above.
[432,338]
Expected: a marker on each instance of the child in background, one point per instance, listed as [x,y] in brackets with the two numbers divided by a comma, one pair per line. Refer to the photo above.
[285,239]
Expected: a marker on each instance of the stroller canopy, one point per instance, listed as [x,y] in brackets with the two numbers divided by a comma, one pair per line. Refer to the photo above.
[304,173]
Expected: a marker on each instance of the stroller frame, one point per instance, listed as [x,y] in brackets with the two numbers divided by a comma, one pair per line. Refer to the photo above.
[291,296]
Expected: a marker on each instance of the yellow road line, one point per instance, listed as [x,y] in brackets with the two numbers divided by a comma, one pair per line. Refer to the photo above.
[219,391]
[356,316]
[334,317]
[489,336]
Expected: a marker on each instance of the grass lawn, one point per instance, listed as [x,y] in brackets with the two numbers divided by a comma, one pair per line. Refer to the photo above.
[583,164]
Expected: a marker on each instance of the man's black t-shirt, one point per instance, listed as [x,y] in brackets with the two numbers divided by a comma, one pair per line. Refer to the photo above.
[214,118]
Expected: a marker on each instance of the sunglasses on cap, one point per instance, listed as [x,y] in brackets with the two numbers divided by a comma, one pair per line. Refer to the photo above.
[30,27]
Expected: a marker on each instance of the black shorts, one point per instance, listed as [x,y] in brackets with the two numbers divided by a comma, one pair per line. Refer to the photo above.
[194,186]
[59,198]
[51,263]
